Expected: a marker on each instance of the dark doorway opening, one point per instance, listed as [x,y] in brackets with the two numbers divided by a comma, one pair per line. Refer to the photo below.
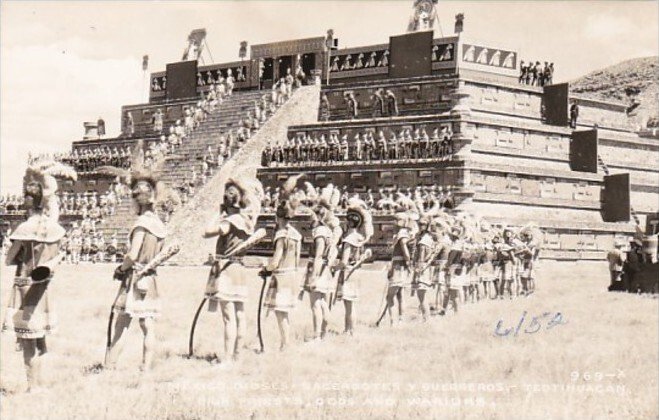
[268,73]
[308,64]
[285,63]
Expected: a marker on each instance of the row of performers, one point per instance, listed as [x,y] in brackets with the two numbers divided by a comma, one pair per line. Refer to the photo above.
[439,243]
[321,150]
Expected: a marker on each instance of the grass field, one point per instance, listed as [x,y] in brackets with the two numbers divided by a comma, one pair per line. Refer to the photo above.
[600,363]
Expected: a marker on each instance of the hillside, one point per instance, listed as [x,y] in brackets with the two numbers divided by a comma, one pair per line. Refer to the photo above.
[630,80]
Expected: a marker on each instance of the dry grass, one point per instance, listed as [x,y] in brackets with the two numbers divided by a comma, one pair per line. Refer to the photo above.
[605,333]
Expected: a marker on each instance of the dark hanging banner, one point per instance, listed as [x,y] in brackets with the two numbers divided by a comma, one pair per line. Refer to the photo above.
[182,80]
[616,206]
[555,104]
[583,151]
[410,55]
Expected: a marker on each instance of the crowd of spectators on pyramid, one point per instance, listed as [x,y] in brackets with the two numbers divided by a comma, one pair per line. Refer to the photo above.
[535,74]
[364,147]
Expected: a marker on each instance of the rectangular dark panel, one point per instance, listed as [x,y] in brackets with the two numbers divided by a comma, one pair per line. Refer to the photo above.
[652,224]
[410,55]
[555,104]
[615,198]
[583,151]
[182,80]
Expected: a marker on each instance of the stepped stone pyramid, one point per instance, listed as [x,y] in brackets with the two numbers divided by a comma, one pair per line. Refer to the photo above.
[516,158]
[517,153]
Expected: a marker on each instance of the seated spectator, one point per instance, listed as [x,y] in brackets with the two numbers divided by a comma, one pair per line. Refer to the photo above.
[180,130]
[229,83]
[128,124]
[188,121]
[158,121]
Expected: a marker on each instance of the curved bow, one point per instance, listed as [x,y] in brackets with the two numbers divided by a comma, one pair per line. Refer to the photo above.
[264,277]
[194,324]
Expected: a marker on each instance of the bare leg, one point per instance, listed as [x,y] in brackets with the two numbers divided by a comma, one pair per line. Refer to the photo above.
[31,362]
[525,285]
[148,326]
[399,298]
[228,317]
[240,326]
[117,346]
[349,319]
[502,287]
[316,313]
[324,308]
[445,300]
[284,328]
[439,295]
[423,306]
[391,294]
[453,296]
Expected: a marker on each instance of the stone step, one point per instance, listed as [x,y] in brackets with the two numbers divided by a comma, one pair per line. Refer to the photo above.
[225,117]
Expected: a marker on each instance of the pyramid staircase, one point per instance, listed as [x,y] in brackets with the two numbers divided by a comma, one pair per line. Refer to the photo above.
[188,223]
[176,169]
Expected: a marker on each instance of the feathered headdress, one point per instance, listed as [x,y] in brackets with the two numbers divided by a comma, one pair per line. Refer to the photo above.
[43,172]
[42,226]
[329,197]
[405,203]
[408,210]
[358,209]
[439,225]
[289,201]
[139,173]
[251,196]
[434,210]
[311,194]
[532,232]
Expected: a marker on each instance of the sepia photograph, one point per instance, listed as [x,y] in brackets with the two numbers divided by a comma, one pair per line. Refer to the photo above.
[329,209]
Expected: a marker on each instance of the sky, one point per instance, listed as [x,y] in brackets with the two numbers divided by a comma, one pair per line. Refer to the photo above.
[63,63]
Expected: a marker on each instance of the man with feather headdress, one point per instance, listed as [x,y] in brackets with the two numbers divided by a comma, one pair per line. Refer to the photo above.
[455,267]
[422,280]
[508,262]
[439,228]
[138,296]
[400,270]
[488,265]
[530,236]
[283,266]
[35,252]
[360,230]
[233,225]
[326,233]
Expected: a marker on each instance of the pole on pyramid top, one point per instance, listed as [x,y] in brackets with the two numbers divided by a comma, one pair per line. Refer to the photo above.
[424,17]
[195,45]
